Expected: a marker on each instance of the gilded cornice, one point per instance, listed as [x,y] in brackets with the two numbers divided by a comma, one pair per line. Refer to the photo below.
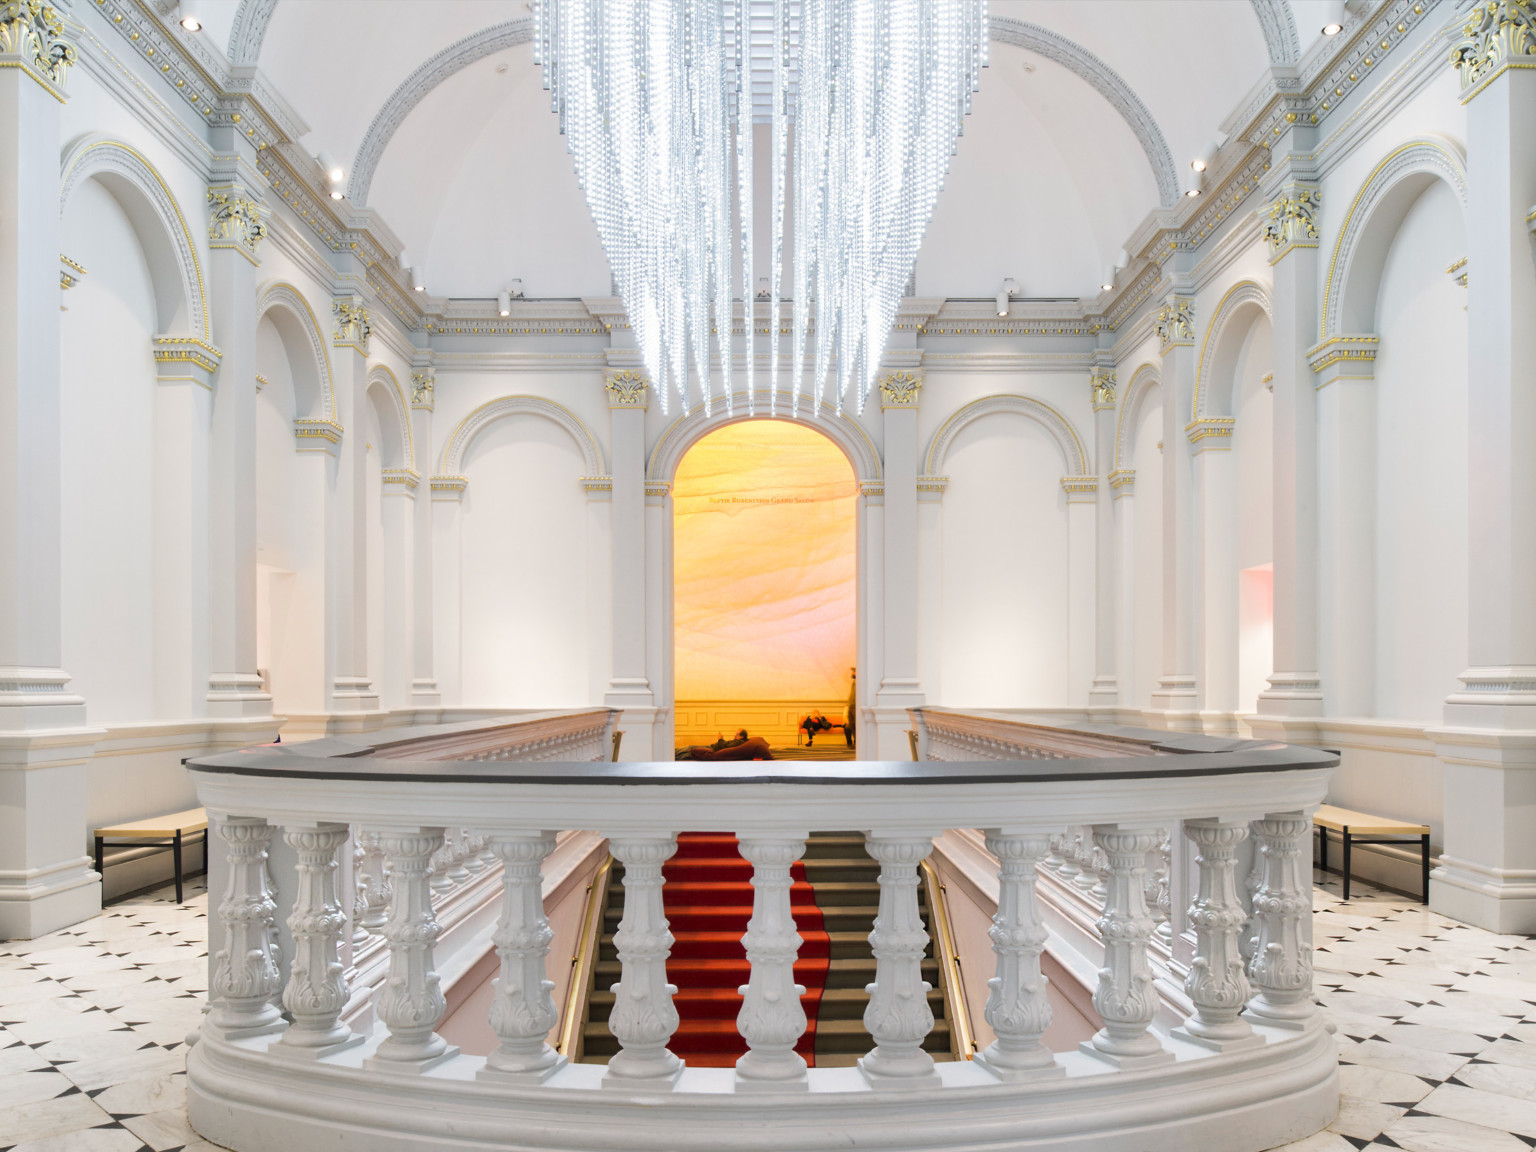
[448,487]
[1102,381]
[1356,350]
[353,324]
[403,478]
[627,388]
[1458,269]
[1214,428]
[327,430]
[1080,489]
[1292,221]
[932,484]
[1497,36]
[187,350]
[900,389]
[592,484]
[235,222]
[71,272]
[1122,481]
[34,38]
[423,387]
[658,488]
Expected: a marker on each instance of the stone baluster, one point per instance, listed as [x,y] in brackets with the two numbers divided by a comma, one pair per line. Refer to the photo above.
[1018,1007]
[1054,860]
[440,865]
[772,1018]
[487,853]
[898,1016]
[1100,863]
[1281,965]
[522,1007]
[1125,998]
[317,990]
[412,1001]
[474,864]
[458,852]
[1251,883]
[1071,847]
[359,893]
[376,878]
[643,1017]
[1162,889]
[1087,878]
[1216,983]
[245,974]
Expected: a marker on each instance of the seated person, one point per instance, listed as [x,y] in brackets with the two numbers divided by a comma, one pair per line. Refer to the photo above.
[816,722]
[739,747]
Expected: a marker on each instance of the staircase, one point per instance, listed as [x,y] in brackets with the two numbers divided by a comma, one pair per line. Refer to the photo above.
[708,895]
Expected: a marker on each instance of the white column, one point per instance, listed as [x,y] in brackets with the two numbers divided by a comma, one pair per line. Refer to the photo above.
[1281,965]
[1122,492]
[1125,998]
[412,1002]
[1018,1005]
[1217,984]
[1346,519]
[871,625]
[46,881]
[447,588]
[643,1017]
[237,228]
[899,687]
[1177,698]
[317,444]
[522,1008]
[1105,689]
[599,527]
[1295,688]
[930,582]
[1082,586]
[243,991]
[772,1018]
[1487,874]
[1215,516]
[424,691]
[317,989]
[898,1017]
[351,688]
[629,686]
[399,546]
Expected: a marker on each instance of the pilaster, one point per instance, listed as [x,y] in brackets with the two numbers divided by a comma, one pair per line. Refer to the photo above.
[899,687]
[1215,520]
[1105,689]
[424,690]
[447,511]
[629,686]
[351,688]
[1487,873]
[398,512]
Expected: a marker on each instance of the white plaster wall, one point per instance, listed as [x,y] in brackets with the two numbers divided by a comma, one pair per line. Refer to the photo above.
[524,567]
[1005,567]
[1421,535]
[108,383]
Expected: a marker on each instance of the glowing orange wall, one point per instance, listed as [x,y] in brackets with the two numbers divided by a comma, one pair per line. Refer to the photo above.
[764,565]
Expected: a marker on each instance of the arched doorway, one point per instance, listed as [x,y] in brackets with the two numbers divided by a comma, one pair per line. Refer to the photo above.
[765,571]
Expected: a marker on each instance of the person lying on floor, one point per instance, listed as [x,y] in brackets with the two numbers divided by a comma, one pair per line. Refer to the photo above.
[742,747]
[816,722]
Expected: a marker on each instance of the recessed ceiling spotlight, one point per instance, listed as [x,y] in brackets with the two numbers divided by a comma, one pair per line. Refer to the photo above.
[1192,192]
[1108,284]
[504,303]
[1332,28]
[1197,164]
[191,23]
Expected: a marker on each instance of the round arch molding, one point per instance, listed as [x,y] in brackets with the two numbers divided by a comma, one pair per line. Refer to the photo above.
[381,375]
[1073,454]
[92,156]
[281,294]
[1143,380]
[848,434]
[452,464]
[1359,253]
[1243,295]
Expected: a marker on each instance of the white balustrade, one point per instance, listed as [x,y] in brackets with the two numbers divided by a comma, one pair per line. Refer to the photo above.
[1247,1069]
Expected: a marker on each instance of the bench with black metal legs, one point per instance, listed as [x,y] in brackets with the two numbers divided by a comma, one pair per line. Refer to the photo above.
[156,834]
[1361,828]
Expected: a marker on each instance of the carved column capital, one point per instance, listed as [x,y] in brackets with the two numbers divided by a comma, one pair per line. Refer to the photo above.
[1498,35]
[1103,384]
[900,389]
[235,221]
[627,388]
[1175,323]
[1292,221]
[423,386]
[33,37]
[353,324]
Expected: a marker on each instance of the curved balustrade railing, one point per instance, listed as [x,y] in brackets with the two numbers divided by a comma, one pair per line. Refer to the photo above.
[1249,1068]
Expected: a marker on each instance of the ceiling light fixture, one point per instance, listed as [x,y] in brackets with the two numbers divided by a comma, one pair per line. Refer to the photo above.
[1332,28]
[504,303]
[1005,295]
[1108,283]
[189,19]
[334,174]
[515,289]
[1334,24]
[663,146]
[416,281]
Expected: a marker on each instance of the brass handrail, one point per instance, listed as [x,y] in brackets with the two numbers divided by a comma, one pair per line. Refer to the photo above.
[584,963]
[962,1041]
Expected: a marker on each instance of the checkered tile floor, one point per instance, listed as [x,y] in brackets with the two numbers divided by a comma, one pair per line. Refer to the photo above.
[1436,1029]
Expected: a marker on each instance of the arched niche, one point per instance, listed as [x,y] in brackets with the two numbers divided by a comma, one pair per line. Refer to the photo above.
[843,430]
[398,449]
[1074,456]
[1377,211]
[1244,305]
[452,463]
[1143,381]
[289,313]
[181,305]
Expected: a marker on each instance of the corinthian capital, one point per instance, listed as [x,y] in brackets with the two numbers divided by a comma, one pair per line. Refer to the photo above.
[353,323]
[33,38]
[235,222]
[900,389]
[1498,35]
[627,388]
[1176,323]
[1103,383]
[1292,220]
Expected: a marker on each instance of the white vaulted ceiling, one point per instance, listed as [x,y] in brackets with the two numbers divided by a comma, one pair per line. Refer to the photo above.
[1086,121]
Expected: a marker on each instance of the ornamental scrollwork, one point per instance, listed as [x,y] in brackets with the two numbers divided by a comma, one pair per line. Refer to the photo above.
[353,324]
[626,389]
[423,384]
[34,31]
[1176,323]
[235,222]
[900,389]
[1292,221]
[1496,36]
[1103,384]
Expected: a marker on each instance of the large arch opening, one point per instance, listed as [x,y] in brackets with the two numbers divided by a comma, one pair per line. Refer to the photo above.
[765,569]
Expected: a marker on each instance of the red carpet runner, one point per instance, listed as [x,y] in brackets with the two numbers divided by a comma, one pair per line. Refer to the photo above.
[709,901]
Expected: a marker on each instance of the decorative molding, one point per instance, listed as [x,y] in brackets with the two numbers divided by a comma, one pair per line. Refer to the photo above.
[423,387]
[900,389]
[1080,489]
[70,272]
[1143,380]
[404,478]
[1292,220]
[932,484]
[658,488]
[1102,381]
[872,488]
[280,294]
[250,26]
[1356,353]
[593,484]
[627,388]
[1122,482]
[33,39]
[235,222]
[1175,324]
[191,352]
[94,156]
[1428,155]
[353,323]
[416,87]
[448,487]
[1498,35]
[1244,294]
[1107,82]
[1217,429]
[1458,268]
[381,375]
[487,414]
[1278,24]
[1073,454]
[328,430]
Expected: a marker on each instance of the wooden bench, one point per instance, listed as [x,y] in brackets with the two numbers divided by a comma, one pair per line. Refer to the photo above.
[160,832]
[1353,826]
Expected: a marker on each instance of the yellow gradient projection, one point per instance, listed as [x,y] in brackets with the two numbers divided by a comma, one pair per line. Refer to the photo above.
[763,565]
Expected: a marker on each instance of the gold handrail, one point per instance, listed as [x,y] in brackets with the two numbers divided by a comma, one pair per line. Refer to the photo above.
[618,738]
[912,740]
[584,963]
[962,1041]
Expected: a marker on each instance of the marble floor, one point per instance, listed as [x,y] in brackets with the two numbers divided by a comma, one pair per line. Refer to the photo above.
[1436,1028]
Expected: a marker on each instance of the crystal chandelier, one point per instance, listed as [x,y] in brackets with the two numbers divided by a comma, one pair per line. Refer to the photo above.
[658,100]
